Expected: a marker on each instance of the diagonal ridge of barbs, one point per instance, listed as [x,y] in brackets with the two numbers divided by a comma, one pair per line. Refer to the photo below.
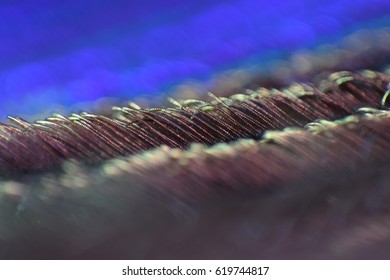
[93,138]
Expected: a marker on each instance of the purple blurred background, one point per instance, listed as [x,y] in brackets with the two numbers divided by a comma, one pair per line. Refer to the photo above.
[61,53]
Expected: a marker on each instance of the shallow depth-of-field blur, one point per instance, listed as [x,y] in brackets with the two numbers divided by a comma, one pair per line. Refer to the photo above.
[66,55]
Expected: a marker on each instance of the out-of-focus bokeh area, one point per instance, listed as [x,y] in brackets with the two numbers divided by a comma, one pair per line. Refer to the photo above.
[57,54]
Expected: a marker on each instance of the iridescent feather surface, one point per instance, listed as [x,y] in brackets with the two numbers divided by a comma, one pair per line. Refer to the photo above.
[196,129]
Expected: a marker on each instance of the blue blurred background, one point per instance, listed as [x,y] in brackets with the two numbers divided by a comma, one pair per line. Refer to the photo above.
[56,54]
